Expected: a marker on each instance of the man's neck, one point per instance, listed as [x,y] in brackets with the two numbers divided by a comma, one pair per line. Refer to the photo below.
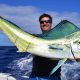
[44,32]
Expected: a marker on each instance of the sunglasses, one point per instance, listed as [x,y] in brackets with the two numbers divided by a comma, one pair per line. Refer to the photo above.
[46,21]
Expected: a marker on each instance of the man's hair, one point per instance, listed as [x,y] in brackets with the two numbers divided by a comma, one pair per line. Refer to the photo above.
[45,15]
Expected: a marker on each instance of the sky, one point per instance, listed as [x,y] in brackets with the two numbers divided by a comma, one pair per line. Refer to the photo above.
[25,13]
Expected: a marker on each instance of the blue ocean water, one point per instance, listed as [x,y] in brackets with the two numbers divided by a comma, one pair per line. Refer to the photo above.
[15,63]
[19,65]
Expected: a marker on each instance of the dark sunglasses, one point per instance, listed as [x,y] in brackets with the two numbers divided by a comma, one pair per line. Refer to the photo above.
[46,21]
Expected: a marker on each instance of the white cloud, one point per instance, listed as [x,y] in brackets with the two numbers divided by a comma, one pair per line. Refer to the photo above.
[24,16]
[27,16]
[73,17]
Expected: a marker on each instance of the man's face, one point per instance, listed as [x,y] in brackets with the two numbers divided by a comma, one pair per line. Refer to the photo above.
[45,24]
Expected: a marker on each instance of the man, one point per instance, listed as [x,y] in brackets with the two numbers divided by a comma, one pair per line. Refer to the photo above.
[43,66]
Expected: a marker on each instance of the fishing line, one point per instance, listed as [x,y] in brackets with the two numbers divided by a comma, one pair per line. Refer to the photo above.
[28,45]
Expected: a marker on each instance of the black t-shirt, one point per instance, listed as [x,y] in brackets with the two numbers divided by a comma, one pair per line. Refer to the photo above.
[43,66]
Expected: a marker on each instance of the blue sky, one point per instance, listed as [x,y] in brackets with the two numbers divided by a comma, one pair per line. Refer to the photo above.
[25,13]
[55,5]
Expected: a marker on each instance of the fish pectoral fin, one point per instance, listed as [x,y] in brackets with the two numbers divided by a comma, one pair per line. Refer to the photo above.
[58,65]
[56,46]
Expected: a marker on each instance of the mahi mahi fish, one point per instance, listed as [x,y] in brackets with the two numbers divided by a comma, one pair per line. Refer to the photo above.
[64,48]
